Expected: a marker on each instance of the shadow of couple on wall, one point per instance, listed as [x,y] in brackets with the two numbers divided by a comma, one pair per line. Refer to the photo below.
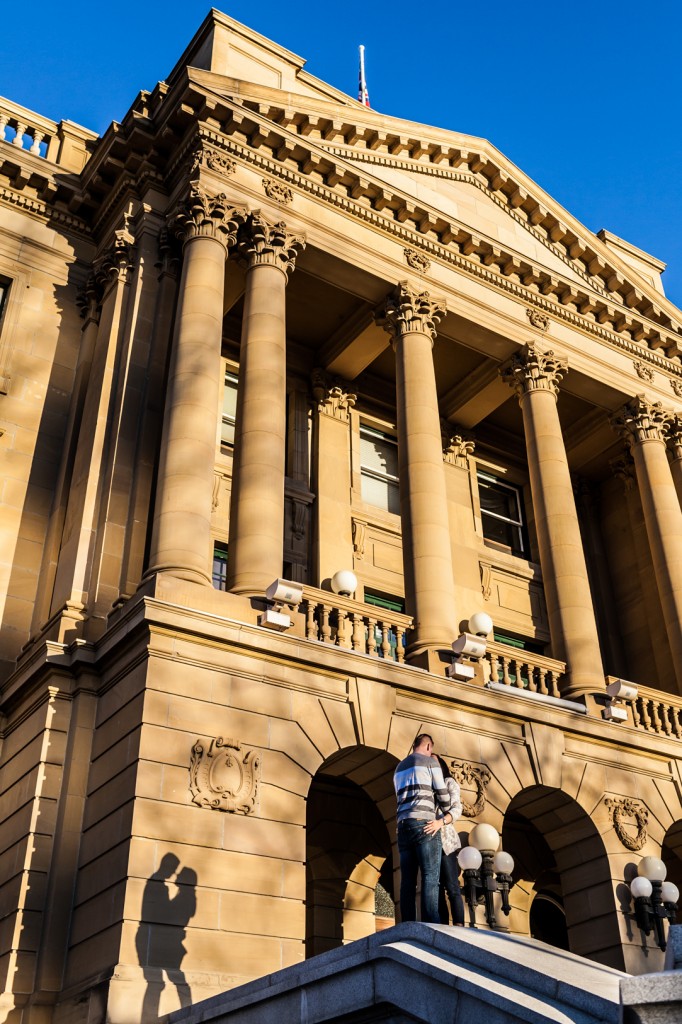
[159,940]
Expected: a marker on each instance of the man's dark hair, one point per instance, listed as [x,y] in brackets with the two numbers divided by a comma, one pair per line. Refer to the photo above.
[418,740]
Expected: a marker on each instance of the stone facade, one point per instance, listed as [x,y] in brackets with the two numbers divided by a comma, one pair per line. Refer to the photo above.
[260,331]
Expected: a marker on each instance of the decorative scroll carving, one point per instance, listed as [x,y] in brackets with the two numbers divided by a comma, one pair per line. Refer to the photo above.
[206,216]
[643,371]
[629,813]
[204,155]
[458,445]
[471,777]
[359,538]
[223,776]
[537,319]
[676,385]
[408,310]
[533,370]
[333,396]
[215,495]
[417,260]
[260,243]
[641,420]
[624,468]
[277,191]
[115,262]
[486,580]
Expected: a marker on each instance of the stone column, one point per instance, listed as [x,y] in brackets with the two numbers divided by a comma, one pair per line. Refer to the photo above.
[675,448]
[535,376]
[207,226]
[644,425]
[411,317]
[257,503]
[333,525]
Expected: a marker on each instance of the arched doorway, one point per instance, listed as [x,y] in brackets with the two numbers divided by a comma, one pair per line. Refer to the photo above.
[350,838]
[671,855]
[562,874]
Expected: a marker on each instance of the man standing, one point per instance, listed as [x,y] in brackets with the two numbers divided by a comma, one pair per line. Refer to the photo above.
[420,788]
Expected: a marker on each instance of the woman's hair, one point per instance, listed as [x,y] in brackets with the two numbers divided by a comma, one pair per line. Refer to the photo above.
[447,774]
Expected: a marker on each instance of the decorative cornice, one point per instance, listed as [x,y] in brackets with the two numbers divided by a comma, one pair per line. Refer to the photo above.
[263,244]
[276,191]
[340,199]
[640,420]
[333,396]
[410,311]
[623,808]
[458,445]
[44,211]
[206,216]
[533,370]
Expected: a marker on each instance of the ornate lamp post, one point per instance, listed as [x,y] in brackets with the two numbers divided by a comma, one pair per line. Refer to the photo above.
[655,899]
[481,864]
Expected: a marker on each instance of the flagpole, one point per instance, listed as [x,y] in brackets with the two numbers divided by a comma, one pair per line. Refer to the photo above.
[363,95]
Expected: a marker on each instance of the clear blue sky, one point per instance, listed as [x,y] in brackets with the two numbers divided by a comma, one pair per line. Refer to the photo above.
[584,97]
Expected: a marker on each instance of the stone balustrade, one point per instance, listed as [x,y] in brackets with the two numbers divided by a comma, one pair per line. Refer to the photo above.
[657,712]
[353,625]
[64,142]
[524,671]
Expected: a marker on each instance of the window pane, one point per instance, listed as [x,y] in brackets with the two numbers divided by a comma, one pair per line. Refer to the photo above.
[220,566]
[501,513]
[379,469]
[229,409]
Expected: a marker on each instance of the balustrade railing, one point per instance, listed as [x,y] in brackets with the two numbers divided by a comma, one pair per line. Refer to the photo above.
[657,712]
[64,143]
[522,670]
[354,626]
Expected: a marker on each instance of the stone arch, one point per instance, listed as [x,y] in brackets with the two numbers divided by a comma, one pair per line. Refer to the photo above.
[350,845]
[671,855]
[560,854]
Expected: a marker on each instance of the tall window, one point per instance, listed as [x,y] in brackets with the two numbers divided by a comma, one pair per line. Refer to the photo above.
[4,288]
[220,565]
[502,514]
[379,469]
[229,410]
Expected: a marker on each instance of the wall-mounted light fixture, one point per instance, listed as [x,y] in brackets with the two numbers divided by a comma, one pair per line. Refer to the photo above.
[344,582]
[280,594]
[619,693]
[655,899]
[487,870]
[470,647]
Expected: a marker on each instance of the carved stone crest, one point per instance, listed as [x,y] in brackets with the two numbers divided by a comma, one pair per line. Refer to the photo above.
[417,260]
[676,385]
[275,190]
[224,777]
[537,319]
[474,779]
[630,819]
[204,155]
[643,371]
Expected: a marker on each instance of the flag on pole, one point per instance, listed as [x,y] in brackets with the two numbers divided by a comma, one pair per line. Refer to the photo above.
[363,95]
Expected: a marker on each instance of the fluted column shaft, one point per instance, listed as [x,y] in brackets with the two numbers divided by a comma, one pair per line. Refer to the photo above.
[645,426]
[182,524]
[411,318]
[257,502]
[573,628]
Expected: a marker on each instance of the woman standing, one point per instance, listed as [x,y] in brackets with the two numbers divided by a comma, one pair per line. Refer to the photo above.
[449,867]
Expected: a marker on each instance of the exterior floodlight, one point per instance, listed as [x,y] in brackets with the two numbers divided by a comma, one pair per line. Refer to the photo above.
[619,693]
[655,899]
[652,868]
[480,865]
[484,837]
[344,582]
[279,594]
[481,624]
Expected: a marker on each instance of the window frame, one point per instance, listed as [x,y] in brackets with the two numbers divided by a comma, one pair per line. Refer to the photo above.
[391,481]
[520,525]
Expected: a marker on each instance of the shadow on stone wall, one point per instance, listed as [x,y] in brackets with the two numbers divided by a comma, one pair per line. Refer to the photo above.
[159,939]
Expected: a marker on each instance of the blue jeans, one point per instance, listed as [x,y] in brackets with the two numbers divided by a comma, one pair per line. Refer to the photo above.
[419,852]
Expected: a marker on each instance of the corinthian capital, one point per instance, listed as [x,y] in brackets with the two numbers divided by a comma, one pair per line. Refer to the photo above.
[534,370]
[458,444]
[408,310]
[113,264]
[641,420]
[675,436]
[201,215]
[264,244]
[334,397]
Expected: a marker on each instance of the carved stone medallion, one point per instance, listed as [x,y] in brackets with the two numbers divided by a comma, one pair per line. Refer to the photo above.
[537,319]
[643,371]
[474,779]
[275,190]
[417,260]
[224,777]
[630,819]
[676,385]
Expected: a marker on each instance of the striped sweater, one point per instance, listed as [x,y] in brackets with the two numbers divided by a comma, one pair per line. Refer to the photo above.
[420,788]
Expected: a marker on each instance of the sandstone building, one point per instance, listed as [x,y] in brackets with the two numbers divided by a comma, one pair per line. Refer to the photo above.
[259,331]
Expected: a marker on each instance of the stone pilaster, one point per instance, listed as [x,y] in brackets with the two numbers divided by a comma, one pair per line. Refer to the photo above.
[411,318]
[535,375]
[207,226]
[257,503]
[645,427]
